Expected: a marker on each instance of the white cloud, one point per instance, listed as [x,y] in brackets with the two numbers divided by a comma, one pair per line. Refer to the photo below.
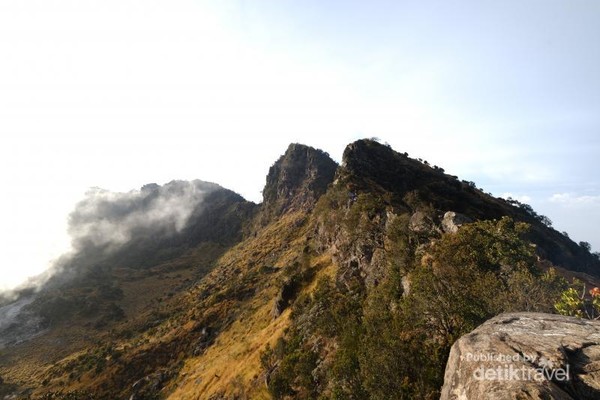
[571,199]
[107,218]
[576,213]
[522,198]
[121,93]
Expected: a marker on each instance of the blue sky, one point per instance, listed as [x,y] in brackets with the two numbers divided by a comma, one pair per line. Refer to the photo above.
[116,94]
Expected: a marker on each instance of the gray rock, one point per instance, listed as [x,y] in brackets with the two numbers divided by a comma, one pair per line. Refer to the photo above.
[526,356]
[297,179]
[421,223]
[452,221]
[286,294]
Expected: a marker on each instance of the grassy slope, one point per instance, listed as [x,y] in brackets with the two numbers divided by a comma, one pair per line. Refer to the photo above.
[232,365]
[28,363]
[234,301]
[169,307]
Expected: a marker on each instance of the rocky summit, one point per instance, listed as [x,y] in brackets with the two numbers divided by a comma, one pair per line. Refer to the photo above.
[297,179]
[350,281]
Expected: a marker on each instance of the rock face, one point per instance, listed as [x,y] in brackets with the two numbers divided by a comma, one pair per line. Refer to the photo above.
[297,179]
[371,166]
[421,223]
[284,297]
[452,221]
[526,356]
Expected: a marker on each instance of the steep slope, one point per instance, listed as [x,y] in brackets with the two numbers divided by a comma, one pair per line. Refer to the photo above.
[274,266]
[296,180]
[347,282]
[173,312]
[405,182]
[406,279]
[106,285]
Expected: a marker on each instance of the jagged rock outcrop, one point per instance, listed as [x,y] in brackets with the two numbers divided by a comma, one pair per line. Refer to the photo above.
[284,296]
[297,179]
[420,222]
[369,166]
[452,221]
[526,356]
[327,260]
[370,162]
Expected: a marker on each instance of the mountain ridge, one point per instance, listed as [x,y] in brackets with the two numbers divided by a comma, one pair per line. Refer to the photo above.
[190,316]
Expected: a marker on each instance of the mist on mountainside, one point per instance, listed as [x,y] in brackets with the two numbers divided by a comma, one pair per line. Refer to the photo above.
[99,226]
[174,290]
[104,221]
[18,325]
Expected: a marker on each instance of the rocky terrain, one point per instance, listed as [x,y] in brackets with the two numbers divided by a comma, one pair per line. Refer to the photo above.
[348,281]
[526,356]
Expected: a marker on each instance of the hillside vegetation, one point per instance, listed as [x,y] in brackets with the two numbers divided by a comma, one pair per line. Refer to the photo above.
[347,282]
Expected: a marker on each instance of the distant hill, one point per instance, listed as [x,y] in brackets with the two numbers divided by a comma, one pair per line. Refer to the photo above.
[347,281]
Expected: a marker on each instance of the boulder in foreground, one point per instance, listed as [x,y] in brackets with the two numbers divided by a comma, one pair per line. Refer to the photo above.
[526,356]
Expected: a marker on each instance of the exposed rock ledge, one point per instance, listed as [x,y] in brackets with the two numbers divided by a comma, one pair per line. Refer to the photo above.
[526,356]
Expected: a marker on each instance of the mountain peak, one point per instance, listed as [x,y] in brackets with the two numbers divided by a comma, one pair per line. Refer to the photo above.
[297,179]
[178,273]
[367,161]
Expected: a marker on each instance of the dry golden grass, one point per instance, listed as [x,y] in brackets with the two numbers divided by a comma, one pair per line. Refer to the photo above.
[231,365]
[28,363]
[233,361]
